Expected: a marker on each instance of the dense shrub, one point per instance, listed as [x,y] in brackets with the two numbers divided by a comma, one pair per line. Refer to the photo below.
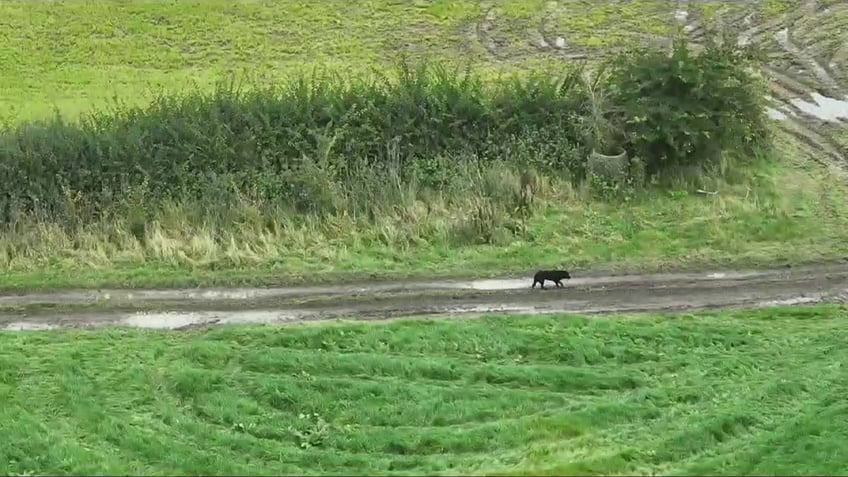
[684,109]
[183,147]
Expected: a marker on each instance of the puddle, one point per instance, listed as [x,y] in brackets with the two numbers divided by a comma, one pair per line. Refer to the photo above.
[500,284]
[801,300]
[175,320]
[214,294]
[492,309]
[824,108]
[163,321]
[25,326]
[775,114]
[781,112]
[265,317]
[681,15]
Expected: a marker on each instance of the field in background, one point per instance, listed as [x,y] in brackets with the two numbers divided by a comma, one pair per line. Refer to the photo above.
[733,393]
[75,55]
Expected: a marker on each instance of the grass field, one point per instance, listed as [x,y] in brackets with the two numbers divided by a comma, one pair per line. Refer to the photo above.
[732,393]
[135,49]
[75,55]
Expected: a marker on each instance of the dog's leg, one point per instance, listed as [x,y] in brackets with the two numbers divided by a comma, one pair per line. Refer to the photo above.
[559,284]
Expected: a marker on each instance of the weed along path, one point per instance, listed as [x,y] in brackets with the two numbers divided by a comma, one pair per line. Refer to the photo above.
[588,294]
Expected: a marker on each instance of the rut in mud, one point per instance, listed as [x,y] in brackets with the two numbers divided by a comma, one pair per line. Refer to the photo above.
[177,309]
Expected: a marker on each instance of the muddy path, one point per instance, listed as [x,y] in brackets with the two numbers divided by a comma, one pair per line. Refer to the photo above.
[180,309]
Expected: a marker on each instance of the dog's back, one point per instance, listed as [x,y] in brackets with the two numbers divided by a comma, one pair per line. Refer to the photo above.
[552,274]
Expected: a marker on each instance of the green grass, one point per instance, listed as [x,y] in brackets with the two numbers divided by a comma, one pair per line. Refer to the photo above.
[134,49]
[75,55]
[732,393]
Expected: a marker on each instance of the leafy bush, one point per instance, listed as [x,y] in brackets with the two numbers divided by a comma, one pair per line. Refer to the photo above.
[194,146]
[684,109]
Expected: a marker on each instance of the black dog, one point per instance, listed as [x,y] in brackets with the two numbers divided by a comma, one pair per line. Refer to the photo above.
[555,276]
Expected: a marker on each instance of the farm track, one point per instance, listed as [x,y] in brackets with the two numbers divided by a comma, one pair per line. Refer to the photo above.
[807,55]
[587,294]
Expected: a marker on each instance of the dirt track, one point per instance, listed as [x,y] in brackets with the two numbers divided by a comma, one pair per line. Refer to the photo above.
[802,60]
[177,309]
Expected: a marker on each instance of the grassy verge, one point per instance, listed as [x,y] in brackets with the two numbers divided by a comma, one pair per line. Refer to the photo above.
[775,211]
[735,393]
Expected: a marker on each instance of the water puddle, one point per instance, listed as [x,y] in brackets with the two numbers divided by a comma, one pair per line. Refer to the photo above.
[163,321]
[176,320]
[517,309]
[500,284]
[800,300]
[775,114]
[26,326]
[824,108]
[266,317]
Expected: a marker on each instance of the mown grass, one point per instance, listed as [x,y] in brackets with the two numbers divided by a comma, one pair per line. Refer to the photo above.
[733,393]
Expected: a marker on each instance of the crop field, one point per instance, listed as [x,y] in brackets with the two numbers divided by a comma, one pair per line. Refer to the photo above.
[733,393]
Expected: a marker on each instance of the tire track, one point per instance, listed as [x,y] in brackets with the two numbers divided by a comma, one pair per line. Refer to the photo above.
[798,46]
[484,26]
[556,44]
